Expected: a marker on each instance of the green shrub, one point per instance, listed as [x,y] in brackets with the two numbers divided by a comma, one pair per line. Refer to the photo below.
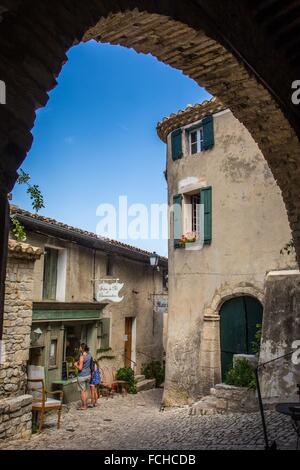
[127,374]
[241,375]
[257,339]
[154,370]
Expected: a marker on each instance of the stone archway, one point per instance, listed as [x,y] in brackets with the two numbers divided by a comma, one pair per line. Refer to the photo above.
[221,45]
[210,356]
[229,292]
[239,317]
[35,36]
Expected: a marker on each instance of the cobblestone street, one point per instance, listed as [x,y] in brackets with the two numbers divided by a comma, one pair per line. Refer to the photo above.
[135,422]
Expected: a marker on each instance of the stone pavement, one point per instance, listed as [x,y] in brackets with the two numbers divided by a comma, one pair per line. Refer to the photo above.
[136,422]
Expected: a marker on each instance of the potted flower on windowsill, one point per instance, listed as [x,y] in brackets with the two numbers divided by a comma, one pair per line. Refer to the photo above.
[190,237]
[187,240]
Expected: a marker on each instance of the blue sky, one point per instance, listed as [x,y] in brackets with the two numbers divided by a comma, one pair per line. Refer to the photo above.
[96,138]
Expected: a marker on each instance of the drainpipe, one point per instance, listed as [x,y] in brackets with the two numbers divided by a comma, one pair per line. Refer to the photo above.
[4,231]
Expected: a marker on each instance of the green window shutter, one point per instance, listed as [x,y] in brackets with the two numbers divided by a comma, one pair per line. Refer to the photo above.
[105,333]
[176,143]
[177,208]
[208,133]
[206,200]
[50,274]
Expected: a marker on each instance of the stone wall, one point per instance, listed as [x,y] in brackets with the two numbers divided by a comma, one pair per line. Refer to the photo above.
[15,407]
[226,399]
[246,207]
[15,417]
[281,328]
[17,318]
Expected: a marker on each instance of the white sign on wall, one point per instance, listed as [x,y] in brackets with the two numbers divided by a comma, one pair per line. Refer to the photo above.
[109,290]
[161,304]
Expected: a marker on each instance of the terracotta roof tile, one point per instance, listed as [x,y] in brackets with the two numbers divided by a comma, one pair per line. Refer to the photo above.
[24,249]
[189,115]
[47,220]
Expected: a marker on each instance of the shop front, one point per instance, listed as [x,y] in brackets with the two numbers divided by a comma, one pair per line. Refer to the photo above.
[57,332]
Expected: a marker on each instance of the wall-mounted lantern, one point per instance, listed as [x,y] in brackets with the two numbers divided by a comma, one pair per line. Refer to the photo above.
[154,259]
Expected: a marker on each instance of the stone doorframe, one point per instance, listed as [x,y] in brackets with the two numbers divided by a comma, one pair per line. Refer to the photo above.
[210,354]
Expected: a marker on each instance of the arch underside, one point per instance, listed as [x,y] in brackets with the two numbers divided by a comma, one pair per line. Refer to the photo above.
[34,41]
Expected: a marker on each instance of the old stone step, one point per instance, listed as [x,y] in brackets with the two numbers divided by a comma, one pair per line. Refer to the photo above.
[206,406]
[145,385]
[139,378]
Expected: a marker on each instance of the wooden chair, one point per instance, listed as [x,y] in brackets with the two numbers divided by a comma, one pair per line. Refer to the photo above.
[118,385]
[41,403]
[109,382]
[106,382]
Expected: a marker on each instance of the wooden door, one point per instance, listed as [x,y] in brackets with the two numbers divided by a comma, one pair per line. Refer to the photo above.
[128,341]
[238,326]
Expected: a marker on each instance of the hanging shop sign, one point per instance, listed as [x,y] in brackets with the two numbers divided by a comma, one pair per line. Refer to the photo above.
[109,291]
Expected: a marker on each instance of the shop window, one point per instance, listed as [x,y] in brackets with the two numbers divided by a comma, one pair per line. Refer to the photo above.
[53,354]
[72,342]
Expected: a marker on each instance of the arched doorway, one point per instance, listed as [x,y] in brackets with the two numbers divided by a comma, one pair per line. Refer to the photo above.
[239,318]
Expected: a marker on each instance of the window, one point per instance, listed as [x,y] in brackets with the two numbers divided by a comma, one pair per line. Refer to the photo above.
[192,214]
[192,217]
[104,333]
[109,266]
[55,272]
[53,353]
[50,274]
[195,207]
[196,139]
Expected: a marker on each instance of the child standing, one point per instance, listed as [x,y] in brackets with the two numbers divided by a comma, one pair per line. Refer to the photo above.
[95,382]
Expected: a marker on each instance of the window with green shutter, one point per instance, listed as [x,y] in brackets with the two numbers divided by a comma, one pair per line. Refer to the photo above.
[105,333]
[176,143]
[50,274]
[177,219]
[208,132]
[206,201]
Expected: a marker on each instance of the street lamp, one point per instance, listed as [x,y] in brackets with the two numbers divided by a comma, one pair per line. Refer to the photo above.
[37,334]
[154,259]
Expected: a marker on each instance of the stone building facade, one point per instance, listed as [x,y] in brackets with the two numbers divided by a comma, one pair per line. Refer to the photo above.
[15,405]
[230,211]
[74,267]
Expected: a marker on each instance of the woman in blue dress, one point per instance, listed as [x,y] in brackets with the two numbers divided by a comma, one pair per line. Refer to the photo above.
[95,382]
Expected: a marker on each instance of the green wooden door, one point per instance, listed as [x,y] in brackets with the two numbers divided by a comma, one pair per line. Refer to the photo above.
[239,317]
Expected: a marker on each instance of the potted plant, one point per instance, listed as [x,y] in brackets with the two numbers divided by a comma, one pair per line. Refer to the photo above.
[190,237]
